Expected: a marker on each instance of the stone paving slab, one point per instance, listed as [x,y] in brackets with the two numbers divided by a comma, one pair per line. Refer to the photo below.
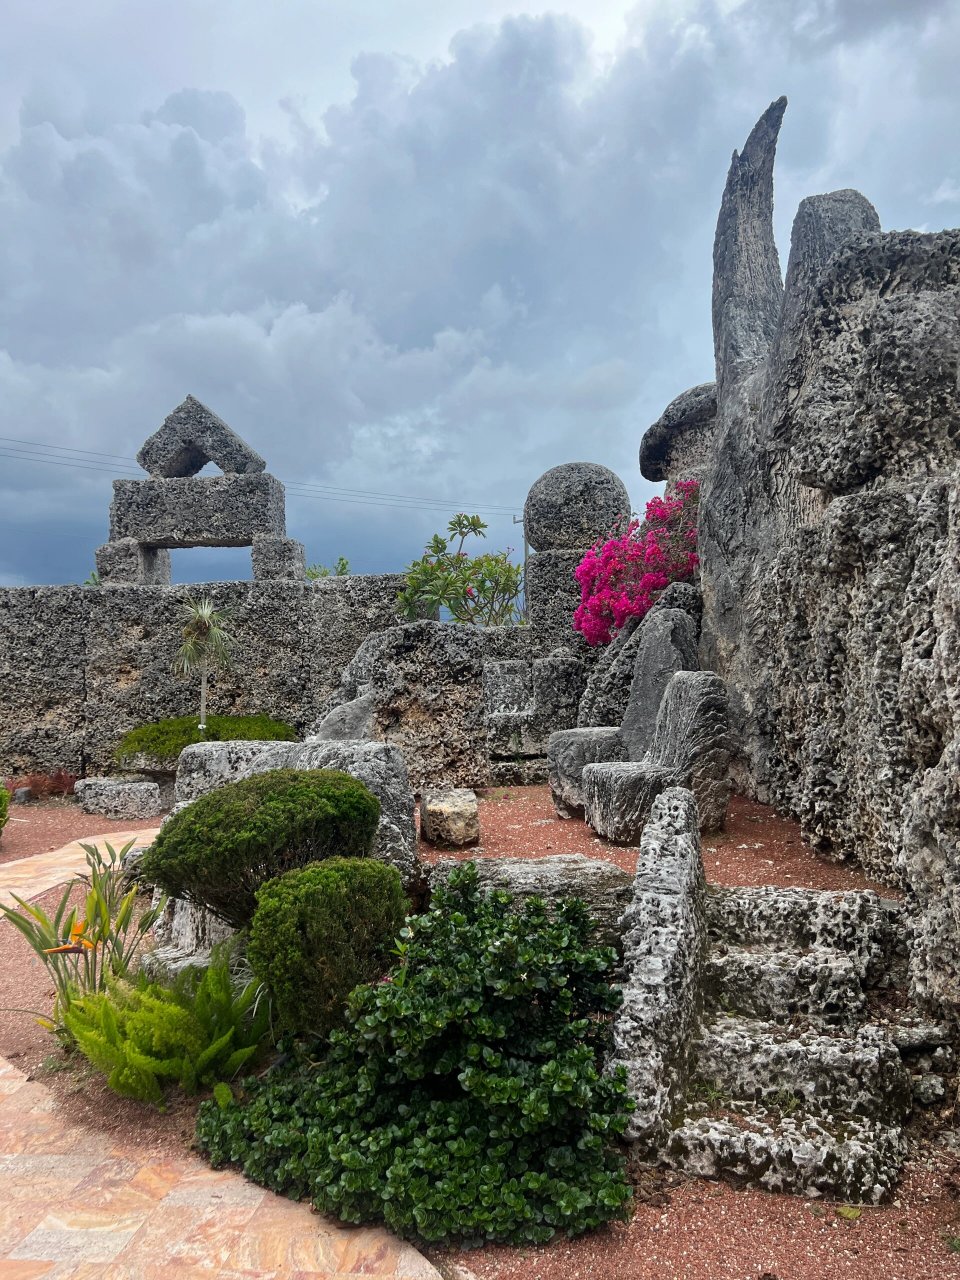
[30,877]
[74,1206]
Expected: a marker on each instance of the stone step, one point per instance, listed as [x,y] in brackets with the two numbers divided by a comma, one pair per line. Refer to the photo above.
[855,1160]
[821,986]
[858,922]
[828,1075]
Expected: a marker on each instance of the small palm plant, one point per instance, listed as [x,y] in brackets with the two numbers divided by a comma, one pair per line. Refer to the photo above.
[206,646]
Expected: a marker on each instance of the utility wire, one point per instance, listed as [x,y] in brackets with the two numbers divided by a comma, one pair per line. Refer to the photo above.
[87,460]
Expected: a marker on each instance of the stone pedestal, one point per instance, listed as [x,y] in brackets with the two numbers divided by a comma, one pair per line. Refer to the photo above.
[275,559]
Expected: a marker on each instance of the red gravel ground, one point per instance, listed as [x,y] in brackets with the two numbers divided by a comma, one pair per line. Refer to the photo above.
[44,825]
[757,847]
[681,1229]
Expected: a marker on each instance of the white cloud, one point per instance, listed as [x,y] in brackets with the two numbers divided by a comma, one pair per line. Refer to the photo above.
[490,256]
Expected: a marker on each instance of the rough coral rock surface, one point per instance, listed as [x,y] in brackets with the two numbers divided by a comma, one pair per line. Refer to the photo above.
[668,644]
[568,754]
[191,436]
[664,941]
[571,506]
[118,797]
[603,887]
[828,533]
[450,819]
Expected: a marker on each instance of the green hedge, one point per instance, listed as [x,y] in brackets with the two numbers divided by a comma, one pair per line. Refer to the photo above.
[321,931]
[219,850]
[167,738]
[466,1097]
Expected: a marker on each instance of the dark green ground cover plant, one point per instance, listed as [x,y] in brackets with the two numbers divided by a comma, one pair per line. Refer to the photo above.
[200,1030]
[165,739]
[4,807]
[465,1097]
[219,850]
[321,931]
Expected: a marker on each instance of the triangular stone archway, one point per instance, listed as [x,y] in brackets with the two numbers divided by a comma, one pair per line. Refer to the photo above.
[190,437]
[177,507]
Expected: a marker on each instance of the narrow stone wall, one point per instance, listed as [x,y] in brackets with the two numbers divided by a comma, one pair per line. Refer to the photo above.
[80,666]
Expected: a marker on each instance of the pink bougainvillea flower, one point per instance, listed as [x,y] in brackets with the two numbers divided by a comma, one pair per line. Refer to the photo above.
[622,576]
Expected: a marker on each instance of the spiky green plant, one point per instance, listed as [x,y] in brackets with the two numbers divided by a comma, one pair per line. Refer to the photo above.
[206,646]
[83,953]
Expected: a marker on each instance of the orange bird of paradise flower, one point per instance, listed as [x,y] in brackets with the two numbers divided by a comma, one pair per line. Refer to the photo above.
[77,944]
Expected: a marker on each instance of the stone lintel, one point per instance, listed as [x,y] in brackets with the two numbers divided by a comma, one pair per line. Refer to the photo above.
[195,511]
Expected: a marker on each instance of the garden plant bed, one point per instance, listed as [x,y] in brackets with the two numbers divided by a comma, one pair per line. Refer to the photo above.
[680,1227]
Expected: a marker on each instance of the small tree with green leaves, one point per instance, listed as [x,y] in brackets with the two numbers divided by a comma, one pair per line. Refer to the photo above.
[206,646]
[484,590]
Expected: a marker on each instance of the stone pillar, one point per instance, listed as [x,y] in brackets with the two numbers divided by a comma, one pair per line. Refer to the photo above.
[567,510]
[275,558]
[126,562]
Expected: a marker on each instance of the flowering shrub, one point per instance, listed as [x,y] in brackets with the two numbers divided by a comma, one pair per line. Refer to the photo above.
[621,577]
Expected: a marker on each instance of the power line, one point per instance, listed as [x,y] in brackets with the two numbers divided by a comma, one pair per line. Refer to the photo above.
[58,462]
[299,488]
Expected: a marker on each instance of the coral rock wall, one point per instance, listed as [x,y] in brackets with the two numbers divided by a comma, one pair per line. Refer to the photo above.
[80,666]
[830,534]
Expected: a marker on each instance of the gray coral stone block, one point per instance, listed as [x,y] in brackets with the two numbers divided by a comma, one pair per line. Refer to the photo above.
[118,797]
[618,798]
[450,819]
[568,752]
[603,887]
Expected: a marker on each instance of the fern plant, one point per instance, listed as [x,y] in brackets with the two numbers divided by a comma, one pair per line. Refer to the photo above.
[196,1032]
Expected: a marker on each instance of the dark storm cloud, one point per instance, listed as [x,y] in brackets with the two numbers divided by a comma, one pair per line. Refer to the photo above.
[470,270]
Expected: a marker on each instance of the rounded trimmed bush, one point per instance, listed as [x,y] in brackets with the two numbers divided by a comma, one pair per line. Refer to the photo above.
[4,806]
[167,738]
[321,931]
[219,850]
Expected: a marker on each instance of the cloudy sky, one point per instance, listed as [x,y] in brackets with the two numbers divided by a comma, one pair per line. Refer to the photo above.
[417,250]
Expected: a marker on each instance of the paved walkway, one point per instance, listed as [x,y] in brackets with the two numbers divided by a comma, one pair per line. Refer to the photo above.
[29,877]
[77,1206]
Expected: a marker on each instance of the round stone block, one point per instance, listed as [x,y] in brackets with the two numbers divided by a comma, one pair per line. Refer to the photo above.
[574,505]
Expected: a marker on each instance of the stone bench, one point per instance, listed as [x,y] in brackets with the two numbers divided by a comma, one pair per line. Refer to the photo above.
[119,797]
[667,644]
[690,748]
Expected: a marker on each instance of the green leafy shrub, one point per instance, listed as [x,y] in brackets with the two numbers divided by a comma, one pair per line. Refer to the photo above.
[84,953]
[198,1031]
[219,850]
[484,590]
[4,807]
[465,1097]
[321,931]
[167,738]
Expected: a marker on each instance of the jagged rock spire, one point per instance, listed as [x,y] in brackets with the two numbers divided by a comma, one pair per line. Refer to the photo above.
[747,284]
